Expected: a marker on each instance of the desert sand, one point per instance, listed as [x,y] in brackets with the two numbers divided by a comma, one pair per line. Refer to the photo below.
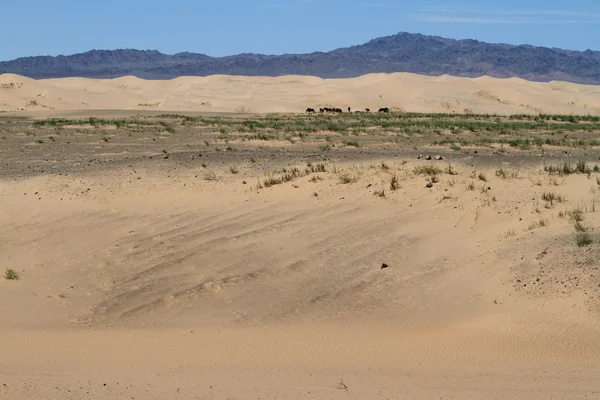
[161,265]
[219,93]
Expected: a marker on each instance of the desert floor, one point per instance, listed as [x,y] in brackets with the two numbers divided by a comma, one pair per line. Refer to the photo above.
[240,257]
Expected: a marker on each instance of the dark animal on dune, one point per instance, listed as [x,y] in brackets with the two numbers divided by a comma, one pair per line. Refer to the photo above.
[367,109]
[328,109]
[310,110]
[384,109]
[349,110]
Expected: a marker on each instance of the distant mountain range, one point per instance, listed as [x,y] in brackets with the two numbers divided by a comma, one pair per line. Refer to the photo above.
[403,52]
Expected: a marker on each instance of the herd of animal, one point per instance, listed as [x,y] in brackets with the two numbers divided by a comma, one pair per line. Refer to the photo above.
[339,110]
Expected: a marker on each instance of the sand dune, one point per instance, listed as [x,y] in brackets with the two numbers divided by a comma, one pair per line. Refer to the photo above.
[220,93]
[283,256]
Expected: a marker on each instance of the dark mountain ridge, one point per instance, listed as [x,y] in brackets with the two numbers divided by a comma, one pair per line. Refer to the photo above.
[403,52]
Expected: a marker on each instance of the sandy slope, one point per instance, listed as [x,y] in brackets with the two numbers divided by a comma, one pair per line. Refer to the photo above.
[221,93]
[215,290]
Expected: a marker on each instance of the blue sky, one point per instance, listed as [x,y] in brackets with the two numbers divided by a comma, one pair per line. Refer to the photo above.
[225,27]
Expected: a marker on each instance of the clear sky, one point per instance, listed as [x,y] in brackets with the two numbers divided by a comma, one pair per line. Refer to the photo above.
[225,27]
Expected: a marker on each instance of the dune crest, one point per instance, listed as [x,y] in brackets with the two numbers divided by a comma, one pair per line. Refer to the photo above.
[294,93]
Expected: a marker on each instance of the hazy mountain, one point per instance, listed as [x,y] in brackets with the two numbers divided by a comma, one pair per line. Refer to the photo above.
[404,52]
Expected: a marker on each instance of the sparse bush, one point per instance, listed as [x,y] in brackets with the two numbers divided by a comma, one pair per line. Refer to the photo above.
[538,224]
[550,197]
[450,170]
[271,180]
[553,181]
[501,173]
[583,239]
[581,167]
[433,179]
[565,169]
[575,215]
[525,145]
[455,147]
[579,226]
[210,176]
[233,170]
[379,193]
[394,183]
[384,167]
[471,186]
[316,167]
[11,275]
[482,177]
[287,174]
[427,170]
[345,179]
